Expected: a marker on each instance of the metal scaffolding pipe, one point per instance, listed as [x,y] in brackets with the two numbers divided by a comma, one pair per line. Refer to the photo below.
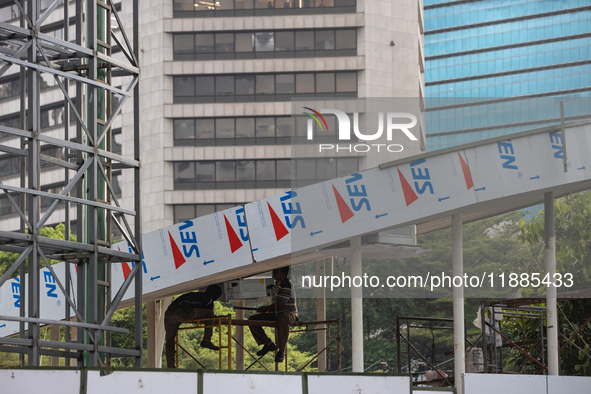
[356,307]
[458,302]
[93,84]
[240,337]
[321,316]
[551,307]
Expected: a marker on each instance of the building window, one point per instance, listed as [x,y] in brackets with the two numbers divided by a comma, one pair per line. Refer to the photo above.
[6,208]
[262,87]
[116,146]
[55,189]
[9,121]
[264,130]
[264,45]
[51,117]
[259,174]
[186,212]
[116,182]
[53,151]
[10,165]
[224,8]
[10,87]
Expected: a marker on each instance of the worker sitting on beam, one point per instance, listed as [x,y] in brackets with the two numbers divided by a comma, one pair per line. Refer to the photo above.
[283,311]
[188,307]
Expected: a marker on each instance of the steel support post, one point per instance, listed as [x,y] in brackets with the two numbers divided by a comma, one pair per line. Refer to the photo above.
[151,332]
[33,115]
[551,307]
[239,337]
[91,224]
[23,197]
[80,211]
[356,306]
[458,303]
[67,228]
[321,315]
[137,191]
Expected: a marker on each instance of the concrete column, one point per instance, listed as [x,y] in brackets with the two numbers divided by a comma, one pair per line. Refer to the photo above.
[155,331]
[458,303]
[321,316]
[551,307]
[151,331]
[356,306]
[164,304]
[239,330]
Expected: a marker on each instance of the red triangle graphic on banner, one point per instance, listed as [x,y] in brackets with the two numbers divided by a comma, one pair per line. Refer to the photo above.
[126,269]
[235,242]
[280,229]
[466,171]
[409,195]
[344,210]
[176,253]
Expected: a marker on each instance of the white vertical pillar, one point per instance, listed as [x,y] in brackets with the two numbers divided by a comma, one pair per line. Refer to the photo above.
[356,306]
[239,337]
[551,307]
[164,304]
[458,303]
[321,316]
[155,331]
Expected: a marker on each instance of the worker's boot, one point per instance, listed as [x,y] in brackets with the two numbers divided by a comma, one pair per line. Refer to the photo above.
[209,345]
[279,357]
[266,349]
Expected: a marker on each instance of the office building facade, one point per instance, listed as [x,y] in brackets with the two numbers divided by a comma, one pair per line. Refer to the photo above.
[499,67]
[217,83]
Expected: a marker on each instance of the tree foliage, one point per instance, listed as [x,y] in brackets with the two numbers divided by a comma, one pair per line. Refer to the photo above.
[573,247]
[489,245]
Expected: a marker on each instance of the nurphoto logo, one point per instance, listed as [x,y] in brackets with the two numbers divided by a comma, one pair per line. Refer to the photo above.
[393,125]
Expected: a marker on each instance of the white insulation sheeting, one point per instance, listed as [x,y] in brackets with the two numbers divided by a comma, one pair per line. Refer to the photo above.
[216,383]
[506,384]
[434,390]
[569,384]
[26,381]
[140,382]
[355,384]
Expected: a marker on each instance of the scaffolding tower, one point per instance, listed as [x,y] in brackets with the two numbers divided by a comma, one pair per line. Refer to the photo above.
[83,69]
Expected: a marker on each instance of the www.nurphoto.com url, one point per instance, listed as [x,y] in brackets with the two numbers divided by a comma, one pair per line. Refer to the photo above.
[442,280]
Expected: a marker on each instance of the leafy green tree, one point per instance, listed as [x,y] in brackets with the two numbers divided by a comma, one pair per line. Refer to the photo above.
[489,245]
[573,247]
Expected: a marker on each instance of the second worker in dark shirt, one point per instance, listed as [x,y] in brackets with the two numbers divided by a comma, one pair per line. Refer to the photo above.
[283,311]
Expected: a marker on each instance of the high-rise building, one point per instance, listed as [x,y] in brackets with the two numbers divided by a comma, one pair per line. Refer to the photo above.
[217,80]
[503,66]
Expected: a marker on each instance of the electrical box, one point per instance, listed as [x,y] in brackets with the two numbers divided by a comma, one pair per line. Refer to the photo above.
[242,289]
